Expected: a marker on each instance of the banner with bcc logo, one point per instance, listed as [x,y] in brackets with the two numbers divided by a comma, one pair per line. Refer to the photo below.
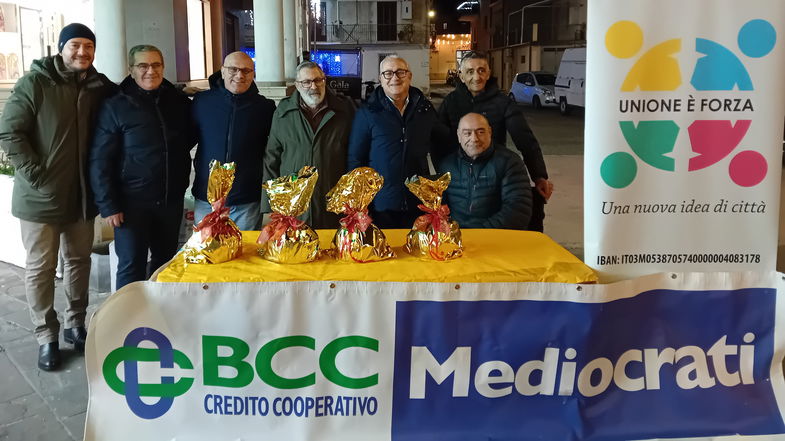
[671,355]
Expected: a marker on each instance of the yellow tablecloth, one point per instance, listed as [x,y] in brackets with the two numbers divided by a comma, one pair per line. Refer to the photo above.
[489,256]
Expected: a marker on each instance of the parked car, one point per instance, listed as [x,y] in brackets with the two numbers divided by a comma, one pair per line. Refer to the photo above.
[535,88]
[571,80]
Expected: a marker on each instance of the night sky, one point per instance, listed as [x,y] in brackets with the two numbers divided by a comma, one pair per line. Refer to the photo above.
[445,11]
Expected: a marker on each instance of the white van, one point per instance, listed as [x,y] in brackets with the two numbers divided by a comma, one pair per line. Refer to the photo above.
[570,84]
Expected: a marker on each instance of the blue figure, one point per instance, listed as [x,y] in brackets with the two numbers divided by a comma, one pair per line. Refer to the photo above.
[721,69]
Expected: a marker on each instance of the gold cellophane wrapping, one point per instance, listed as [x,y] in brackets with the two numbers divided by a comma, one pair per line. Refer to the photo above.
[296,245]
[286,240]
[216,239]
[351,196]
[418,243]
[423,240]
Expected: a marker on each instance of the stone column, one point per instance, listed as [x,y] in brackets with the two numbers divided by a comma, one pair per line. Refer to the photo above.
[110,45]
[289,39]
[268,42]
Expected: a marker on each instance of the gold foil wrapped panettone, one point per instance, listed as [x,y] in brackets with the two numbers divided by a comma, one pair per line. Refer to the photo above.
[216,238]
[287,239]
[434,235]
[358,239]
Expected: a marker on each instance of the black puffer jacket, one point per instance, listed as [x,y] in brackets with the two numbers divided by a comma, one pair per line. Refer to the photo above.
[503,115]
[231,128]
[491,191]
[396,146]
[140,151]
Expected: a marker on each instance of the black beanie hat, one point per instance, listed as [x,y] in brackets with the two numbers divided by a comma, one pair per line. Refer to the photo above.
[74,30]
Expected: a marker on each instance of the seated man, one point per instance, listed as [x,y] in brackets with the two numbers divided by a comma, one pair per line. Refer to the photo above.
[490,186]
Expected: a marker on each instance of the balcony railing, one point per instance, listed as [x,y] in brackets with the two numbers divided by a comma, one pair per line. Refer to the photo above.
[371,33]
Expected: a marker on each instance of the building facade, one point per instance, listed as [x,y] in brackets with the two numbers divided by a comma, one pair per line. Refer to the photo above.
[349,38]
[526,35]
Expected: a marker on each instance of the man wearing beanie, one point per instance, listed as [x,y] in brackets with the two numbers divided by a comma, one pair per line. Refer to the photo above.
[45,130]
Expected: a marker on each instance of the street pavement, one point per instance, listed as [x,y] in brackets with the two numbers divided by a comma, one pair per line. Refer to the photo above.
[51,406]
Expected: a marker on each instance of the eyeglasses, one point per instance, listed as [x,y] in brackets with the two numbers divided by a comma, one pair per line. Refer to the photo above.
[144,66]
[400,73]
[233,70]
[308,83]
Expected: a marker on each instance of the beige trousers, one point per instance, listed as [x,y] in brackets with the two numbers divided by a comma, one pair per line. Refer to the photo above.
[42,242]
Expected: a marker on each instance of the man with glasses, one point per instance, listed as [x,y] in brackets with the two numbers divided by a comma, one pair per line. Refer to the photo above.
[140,165]
[232,122]
[45,131]
[479,92]
[310,127]
[395,133]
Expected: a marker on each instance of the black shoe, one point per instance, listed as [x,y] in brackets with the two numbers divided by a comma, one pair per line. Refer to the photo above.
[76,336]
[49,356]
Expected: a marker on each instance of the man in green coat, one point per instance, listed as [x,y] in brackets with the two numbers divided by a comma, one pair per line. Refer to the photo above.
[310,127]
[45,130]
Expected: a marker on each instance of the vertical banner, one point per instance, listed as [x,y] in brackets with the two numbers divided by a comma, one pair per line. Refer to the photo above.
[686,102]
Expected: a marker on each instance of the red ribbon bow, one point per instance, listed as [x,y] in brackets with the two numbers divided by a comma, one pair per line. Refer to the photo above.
[439,220]
[277,227]
[215,223]
[355,218]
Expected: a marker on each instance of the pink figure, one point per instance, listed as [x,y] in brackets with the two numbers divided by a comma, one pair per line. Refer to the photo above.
[713,140]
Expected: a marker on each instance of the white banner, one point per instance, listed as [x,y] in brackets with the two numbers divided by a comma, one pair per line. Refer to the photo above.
[685,109]
[669,355]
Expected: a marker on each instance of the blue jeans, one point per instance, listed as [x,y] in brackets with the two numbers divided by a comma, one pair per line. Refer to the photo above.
[143,229]
[247,217]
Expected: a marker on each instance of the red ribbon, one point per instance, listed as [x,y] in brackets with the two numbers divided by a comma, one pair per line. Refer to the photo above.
[214,224]
[439,220]
[353,219]
[277,227]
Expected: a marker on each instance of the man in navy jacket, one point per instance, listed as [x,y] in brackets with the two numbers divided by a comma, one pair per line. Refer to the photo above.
[232,125]
[140,165]
[395,133]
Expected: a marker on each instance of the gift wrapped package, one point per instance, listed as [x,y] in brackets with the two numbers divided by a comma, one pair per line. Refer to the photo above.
[216,238]
[434,235]
[357,239]
[287,239]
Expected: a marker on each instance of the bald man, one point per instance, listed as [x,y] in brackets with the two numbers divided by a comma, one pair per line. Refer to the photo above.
[489,186]
[232,121]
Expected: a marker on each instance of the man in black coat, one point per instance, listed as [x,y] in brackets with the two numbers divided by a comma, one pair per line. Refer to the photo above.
[480,93]
[397,133]
[232,122]
[140,165]
[489,186]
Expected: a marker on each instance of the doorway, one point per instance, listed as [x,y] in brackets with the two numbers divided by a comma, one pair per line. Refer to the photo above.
[386,21]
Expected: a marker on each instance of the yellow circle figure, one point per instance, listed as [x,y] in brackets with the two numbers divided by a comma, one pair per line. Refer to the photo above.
[624,39]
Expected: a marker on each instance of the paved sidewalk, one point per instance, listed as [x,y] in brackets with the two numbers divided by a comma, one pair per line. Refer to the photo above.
[37,405]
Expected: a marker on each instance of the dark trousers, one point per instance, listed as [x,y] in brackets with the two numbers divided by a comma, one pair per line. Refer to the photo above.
[538,211]
[143,229]
[395,219]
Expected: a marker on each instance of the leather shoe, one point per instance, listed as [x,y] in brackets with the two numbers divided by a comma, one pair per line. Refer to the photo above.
[75,336]
[49,356]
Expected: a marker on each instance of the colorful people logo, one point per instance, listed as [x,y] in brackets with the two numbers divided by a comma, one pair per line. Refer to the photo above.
[719,69]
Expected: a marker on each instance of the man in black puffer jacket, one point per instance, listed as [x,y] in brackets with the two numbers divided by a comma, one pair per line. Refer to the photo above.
[489,186]
[232,123]
[140,165]
[396,133]
[480,93]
